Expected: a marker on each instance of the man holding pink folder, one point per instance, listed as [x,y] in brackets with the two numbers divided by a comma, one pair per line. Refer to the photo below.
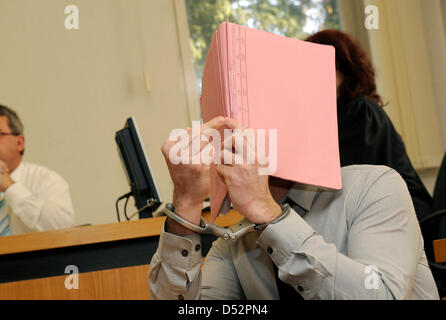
[311,239]
[361,242]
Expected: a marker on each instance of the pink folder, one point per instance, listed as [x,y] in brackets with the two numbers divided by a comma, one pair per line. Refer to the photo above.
[267,81]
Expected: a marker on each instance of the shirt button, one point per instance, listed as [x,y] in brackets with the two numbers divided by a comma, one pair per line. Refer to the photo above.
[197,247]
[269,250]
[180,297]
[184,253]
[300,288]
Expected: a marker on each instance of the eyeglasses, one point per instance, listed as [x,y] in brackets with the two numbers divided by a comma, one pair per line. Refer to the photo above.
[8,134]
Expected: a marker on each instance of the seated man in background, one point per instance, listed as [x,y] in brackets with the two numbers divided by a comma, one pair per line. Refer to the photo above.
[32,198]
[360,242]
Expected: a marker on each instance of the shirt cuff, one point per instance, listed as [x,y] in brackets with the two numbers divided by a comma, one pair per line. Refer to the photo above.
[183,252]
[281,239]
[16,193]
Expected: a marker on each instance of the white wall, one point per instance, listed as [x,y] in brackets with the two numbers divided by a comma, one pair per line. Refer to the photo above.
[74,90]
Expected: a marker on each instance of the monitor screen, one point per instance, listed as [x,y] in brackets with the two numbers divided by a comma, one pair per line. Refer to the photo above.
[137,168]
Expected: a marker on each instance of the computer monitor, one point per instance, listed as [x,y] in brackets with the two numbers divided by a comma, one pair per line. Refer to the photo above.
[137,168]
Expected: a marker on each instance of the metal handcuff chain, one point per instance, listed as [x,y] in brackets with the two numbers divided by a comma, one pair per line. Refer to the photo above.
[233,233]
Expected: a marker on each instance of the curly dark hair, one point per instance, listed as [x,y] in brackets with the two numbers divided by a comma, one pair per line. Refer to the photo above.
[354,64]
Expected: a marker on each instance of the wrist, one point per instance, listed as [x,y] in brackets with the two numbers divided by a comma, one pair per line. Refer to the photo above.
[176,228]
[188,211]
[187,207]
[265,212]
[272,212]
[285,211]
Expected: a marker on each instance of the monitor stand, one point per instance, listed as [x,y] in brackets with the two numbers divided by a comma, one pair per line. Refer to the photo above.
[145,206]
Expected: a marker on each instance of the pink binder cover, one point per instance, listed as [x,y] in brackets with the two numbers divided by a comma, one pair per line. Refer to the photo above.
[266,81]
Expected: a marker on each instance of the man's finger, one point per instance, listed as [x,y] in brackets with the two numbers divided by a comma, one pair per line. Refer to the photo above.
[198,140]
[233,124]
[3,165]
[207,154]
[216,123]
[5,168]
[229,158]
[240,143]
[223,171]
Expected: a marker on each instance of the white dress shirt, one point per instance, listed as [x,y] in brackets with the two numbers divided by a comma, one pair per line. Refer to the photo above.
[329,253]
[39,200]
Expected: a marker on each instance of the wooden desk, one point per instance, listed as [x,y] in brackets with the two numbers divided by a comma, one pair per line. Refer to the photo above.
[112,259]
[440,250]
[440,253]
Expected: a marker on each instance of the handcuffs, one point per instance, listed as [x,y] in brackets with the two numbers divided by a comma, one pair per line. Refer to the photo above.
[233,233]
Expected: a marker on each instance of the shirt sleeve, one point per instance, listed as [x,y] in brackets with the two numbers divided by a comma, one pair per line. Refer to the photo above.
[175,271]
[48,209]
[175,268]
[384,245]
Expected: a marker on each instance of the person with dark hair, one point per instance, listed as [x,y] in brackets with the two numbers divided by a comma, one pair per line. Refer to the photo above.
[366,133]
[32,197]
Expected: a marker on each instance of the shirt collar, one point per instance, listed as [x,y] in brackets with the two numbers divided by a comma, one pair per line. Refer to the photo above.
[302,194]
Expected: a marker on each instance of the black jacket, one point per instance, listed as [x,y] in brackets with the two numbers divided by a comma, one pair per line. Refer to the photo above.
[367,136]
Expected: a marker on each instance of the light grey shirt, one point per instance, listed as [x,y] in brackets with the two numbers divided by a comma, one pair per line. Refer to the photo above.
[361,242]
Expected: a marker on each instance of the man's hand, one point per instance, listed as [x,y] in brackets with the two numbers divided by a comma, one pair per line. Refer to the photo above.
[5,180]
[249,191]
[191,181]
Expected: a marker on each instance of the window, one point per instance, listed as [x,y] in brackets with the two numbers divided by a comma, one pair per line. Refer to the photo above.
[290,18]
